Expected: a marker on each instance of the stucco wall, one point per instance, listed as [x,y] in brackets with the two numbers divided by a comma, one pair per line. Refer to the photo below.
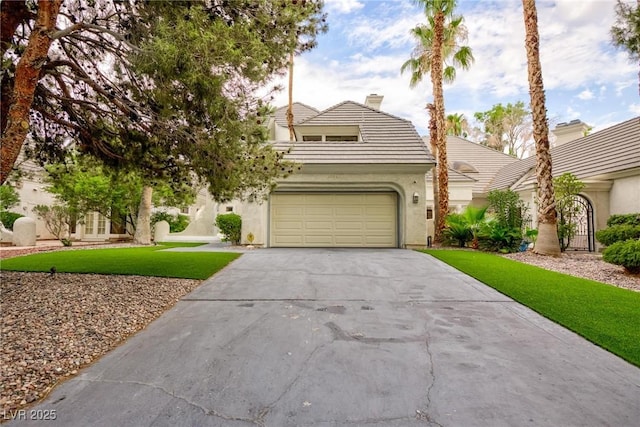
[33,193]
[412,225]
[625,196]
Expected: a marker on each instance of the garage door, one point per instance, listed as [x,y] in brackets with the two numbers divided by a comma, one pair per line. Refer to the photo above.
[334,220]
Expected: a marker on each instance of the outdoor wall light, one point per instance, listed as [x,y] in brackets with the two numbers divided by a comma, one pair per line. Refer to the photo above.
[416,198]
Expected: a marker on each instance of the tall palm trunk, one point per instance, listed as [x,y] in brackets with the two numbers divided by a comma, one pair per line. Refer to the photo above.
[142,235]
[292,133]
[547,243]
[441,142]
[27,75]
[434,172]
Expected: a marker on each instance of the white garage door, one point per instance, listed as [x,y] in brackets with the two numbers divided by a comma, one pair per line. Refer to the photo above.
[334,220]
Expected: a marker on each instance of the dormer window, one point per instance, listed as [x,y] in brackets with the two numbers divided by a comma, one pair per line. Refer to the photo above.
[312,137]
[464,167]
[342,138]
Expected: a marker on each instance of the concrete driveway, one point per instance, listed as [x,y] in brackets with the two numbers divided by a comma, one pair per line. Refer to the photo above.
[323,337]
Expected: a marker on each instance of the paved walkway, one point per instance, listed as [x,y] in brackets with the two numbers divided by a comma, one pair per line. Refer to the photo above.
[322,337]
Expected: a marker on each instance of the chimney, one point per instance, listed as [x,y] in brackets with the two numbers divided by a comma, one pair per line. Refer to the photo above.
[374,101]
[573,130]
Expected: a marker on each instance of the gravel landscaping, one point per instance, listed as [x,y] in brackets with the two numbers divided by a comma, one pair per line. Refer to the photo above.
[585,265]
[53,325]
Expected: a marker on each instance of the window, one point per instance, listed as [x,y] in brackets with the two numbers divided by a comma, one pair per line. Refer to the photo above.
[102,224]
[342,138]
[88,223]
[429,213]
[312,137]
[229,208]
[185,210]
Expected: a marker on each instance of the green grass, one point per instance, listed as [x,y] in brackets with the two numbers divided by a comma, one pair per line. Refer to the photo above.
[141,261]
[603,314]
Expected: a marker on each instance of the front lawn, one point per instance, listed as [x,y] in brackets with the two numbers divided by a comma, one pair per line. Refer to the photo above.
[603,314]
[140,261]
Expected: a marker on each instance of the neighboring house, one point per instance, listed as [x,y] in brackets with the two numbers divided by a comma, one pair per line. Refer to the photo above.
[361,182]
[32,191]
[608,162]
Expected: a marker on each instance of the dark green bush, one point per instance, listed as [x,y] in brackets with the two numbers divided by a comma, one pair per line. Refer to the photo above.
[498,238]
[230,226]
[617,233]
[8,218]
[629,219]
[626,254]
[177,223]
[458,230]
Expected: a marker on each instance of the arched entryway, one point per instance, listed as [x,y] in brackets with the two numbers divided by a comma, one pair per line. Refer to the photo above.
[582,217]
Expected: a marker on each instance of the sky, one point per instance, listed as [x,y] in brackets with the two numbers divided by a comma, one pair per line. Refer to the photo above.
[584,76]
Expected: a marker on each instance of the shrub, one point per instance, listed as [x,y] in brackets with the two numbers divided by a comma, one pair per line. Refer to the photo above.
[230,226]
[458,230]
[626,254]
[177,223]
[629,219]
[618,233]
[464,227]
[57,219]
[498,238]
[508,209]
[9,198]
[8,218]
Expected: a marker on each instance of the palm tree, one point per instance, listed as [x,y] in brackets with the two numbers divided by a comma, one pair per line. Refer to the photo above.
[439,41]
[292,133]
[547,242]
[456,124]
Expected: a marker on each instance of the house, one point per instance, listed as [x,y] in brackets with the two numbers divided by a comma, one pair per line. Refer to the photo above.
[608,162]
[361,182]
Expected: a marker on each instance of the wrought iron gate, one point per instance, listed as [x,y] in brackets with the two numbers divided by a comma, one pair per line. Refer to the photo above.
[583,240]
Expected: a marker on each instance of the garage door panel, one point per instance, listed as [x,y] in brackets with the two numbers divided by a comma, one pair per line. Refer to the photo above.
[317,240]
[288,225]
[317,210]
[349,225]
[318,225]
[334,220]
[356,211]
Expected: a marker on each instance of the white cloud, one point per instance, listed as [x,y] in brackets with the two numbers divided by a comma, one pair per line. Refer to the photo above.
[343,6]
[585,95]
[369,40]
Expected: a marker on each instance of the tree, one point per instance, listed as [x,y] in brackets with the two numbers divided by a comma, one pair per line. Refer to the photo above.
[625,33]
[196,109]
[292,133]
[456,124]
[18,93]
[507,126]
[176,100]
[438,41]
[547,242]
[84,185]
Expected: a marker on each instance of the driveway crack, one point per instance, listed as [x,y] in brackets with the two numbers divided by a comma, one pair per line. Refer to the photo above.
[424,414]
[258,420]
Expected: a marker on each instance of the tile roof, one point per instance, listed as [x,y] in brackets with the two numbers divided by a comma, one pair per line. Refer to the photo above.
[375,125]
[609,151]
[300,112]
[354,152]
[386,139]
[485,160]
